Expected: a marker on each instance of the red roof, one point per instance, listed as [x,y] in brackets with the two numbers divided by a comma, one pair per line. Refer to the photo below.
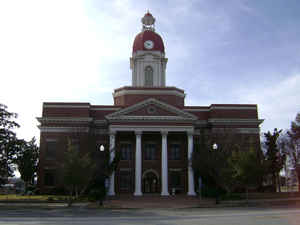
[139,40]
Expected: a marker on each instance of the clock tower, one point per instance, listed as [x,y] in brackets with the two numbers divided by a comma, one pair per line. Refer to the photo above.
[148,62]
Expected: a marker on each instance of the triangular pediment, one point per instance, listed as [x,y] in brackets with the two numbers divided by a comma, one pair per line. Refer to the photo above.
[151,109]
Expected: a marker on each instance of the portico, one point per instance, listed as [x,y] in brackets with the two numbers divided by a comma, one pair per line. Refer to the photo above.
[139,151]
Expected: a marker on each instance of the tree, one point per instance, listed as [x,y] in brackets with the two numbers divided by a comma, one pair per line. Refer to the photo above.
[275,158]
[77,170]
[27,160]
[292,143]
[213,165]
[248,168]
[8,142]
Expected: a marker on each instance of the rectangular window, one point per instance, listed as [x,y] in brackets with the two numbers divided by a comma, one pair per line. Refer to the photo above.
[126,151]
[49,177]
[175,177]
[51,148]
[150,151]
[125,180]
[175,152]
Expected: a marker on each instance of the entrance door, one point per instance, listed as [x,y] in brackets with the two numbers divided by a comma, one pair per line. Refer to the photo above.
[150,183]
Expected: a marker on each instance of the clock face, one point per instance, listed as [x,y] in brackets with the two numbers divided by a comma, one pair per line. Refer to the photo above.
[148,44]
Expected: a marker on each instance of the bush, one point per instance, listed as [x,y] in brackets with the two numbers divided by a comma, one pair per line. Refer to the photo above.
[97,194]
[58,191]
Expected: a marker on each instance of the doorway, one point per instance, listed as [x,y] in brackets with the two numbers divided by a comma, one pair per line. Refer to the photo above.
[150,182]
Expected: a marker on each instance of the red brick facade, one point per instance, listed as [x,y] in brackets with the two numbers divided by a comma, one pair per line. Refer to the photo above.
[61,121]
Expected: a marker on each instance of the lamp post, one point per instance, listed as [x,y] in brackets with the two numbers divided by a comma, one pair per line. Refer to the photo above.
[215,148]
[106,181]
[100,180]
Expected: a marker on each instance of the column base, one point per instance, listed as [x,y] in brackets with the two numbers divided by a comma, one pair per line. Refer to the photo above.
[137,193]
[191,193]
[111,193]
[165,194]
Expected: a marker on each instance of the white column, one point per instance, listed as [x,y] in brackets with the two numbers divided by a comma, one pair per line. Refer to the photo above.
[111,190]
[138,164]
[164,164]
[191,187]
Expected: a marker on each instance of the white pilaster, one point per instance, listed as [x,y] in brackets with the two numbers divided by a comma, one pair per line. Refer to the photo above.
[191,187]
[164,164]
[138,164]
[111,190]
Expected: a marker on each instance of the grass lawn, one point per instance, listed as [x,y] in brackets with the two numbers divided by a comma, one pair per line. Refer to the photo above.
[14,197]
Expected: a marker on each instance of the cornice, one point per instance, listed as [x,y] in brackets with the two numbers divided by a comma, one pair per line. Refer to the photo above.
[221,108]
[45,105]
[47,129]
[151,128]
[122,92]
[235,121]
[104,109]
[240,130]
[64,119]
[100,122]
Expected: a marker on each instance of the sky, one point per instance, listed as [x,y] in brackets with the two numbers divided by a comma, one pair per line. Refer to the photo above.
[220,52]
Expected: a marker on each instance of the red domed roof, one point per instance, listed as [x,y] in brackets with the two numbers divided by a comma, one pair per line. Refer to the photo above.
[146,35]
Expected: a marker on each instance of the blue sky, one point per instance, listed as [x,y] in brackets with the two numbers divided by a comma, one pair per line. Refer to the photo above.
[232,51]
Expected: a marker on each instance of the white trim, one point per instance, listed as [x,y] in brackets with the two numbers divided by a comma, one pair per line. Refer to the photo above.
[51,140]
[201,122]
[146,128]
[232,120]
[240,130]
[235,107]
[150,170]
[249,130]
[222,107]
[100,121]
[105,109]
[197,110]
[45,105]
[101,131]
[118,93]
[45,129]
[64,119]
[152,118]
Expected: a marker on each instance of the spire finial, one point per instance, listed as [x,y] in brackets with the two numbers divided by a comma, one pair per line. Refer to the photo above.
[148,21]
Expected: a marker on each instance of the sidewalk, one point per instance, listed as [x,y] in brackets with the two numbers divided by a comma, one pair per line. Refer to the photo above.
[183,201]
[157,202]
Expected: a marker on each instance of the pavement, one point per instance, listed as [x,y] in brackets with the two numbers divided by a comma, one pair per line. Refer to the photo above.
[188,216]
[157,202]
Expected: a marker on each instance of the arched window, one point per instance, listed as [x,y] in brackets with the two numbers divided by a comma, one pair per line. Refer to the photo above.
[148,76]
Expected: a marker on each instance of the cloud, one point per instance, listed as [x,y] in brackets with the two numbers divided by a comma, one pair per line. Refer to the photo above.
[278,103]
[231,52]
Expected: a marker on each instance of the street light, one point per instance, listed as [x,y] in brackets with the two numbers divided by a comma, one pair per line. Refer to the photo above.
[215,146]
[101,148]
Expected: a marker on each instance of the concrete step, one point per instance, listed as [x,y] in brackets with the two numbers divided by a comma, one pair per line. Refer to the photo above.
[157,201]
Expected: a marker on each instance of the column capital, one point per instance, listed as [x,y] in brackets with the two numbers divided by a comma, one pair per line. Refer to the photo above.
[190,132]
[164,132]
[138,132]
[112,132]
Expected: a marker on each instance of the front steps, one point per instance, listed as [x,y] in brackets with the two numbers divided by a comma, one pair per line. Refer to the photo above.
[157,201]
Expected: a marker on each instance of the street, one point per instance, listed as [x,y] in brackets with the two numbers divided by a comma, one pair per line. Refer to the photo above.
[213,216]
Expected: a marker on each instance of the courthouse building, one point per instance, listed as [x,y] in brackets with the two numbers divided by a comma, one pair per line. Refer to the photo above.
[148,124]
